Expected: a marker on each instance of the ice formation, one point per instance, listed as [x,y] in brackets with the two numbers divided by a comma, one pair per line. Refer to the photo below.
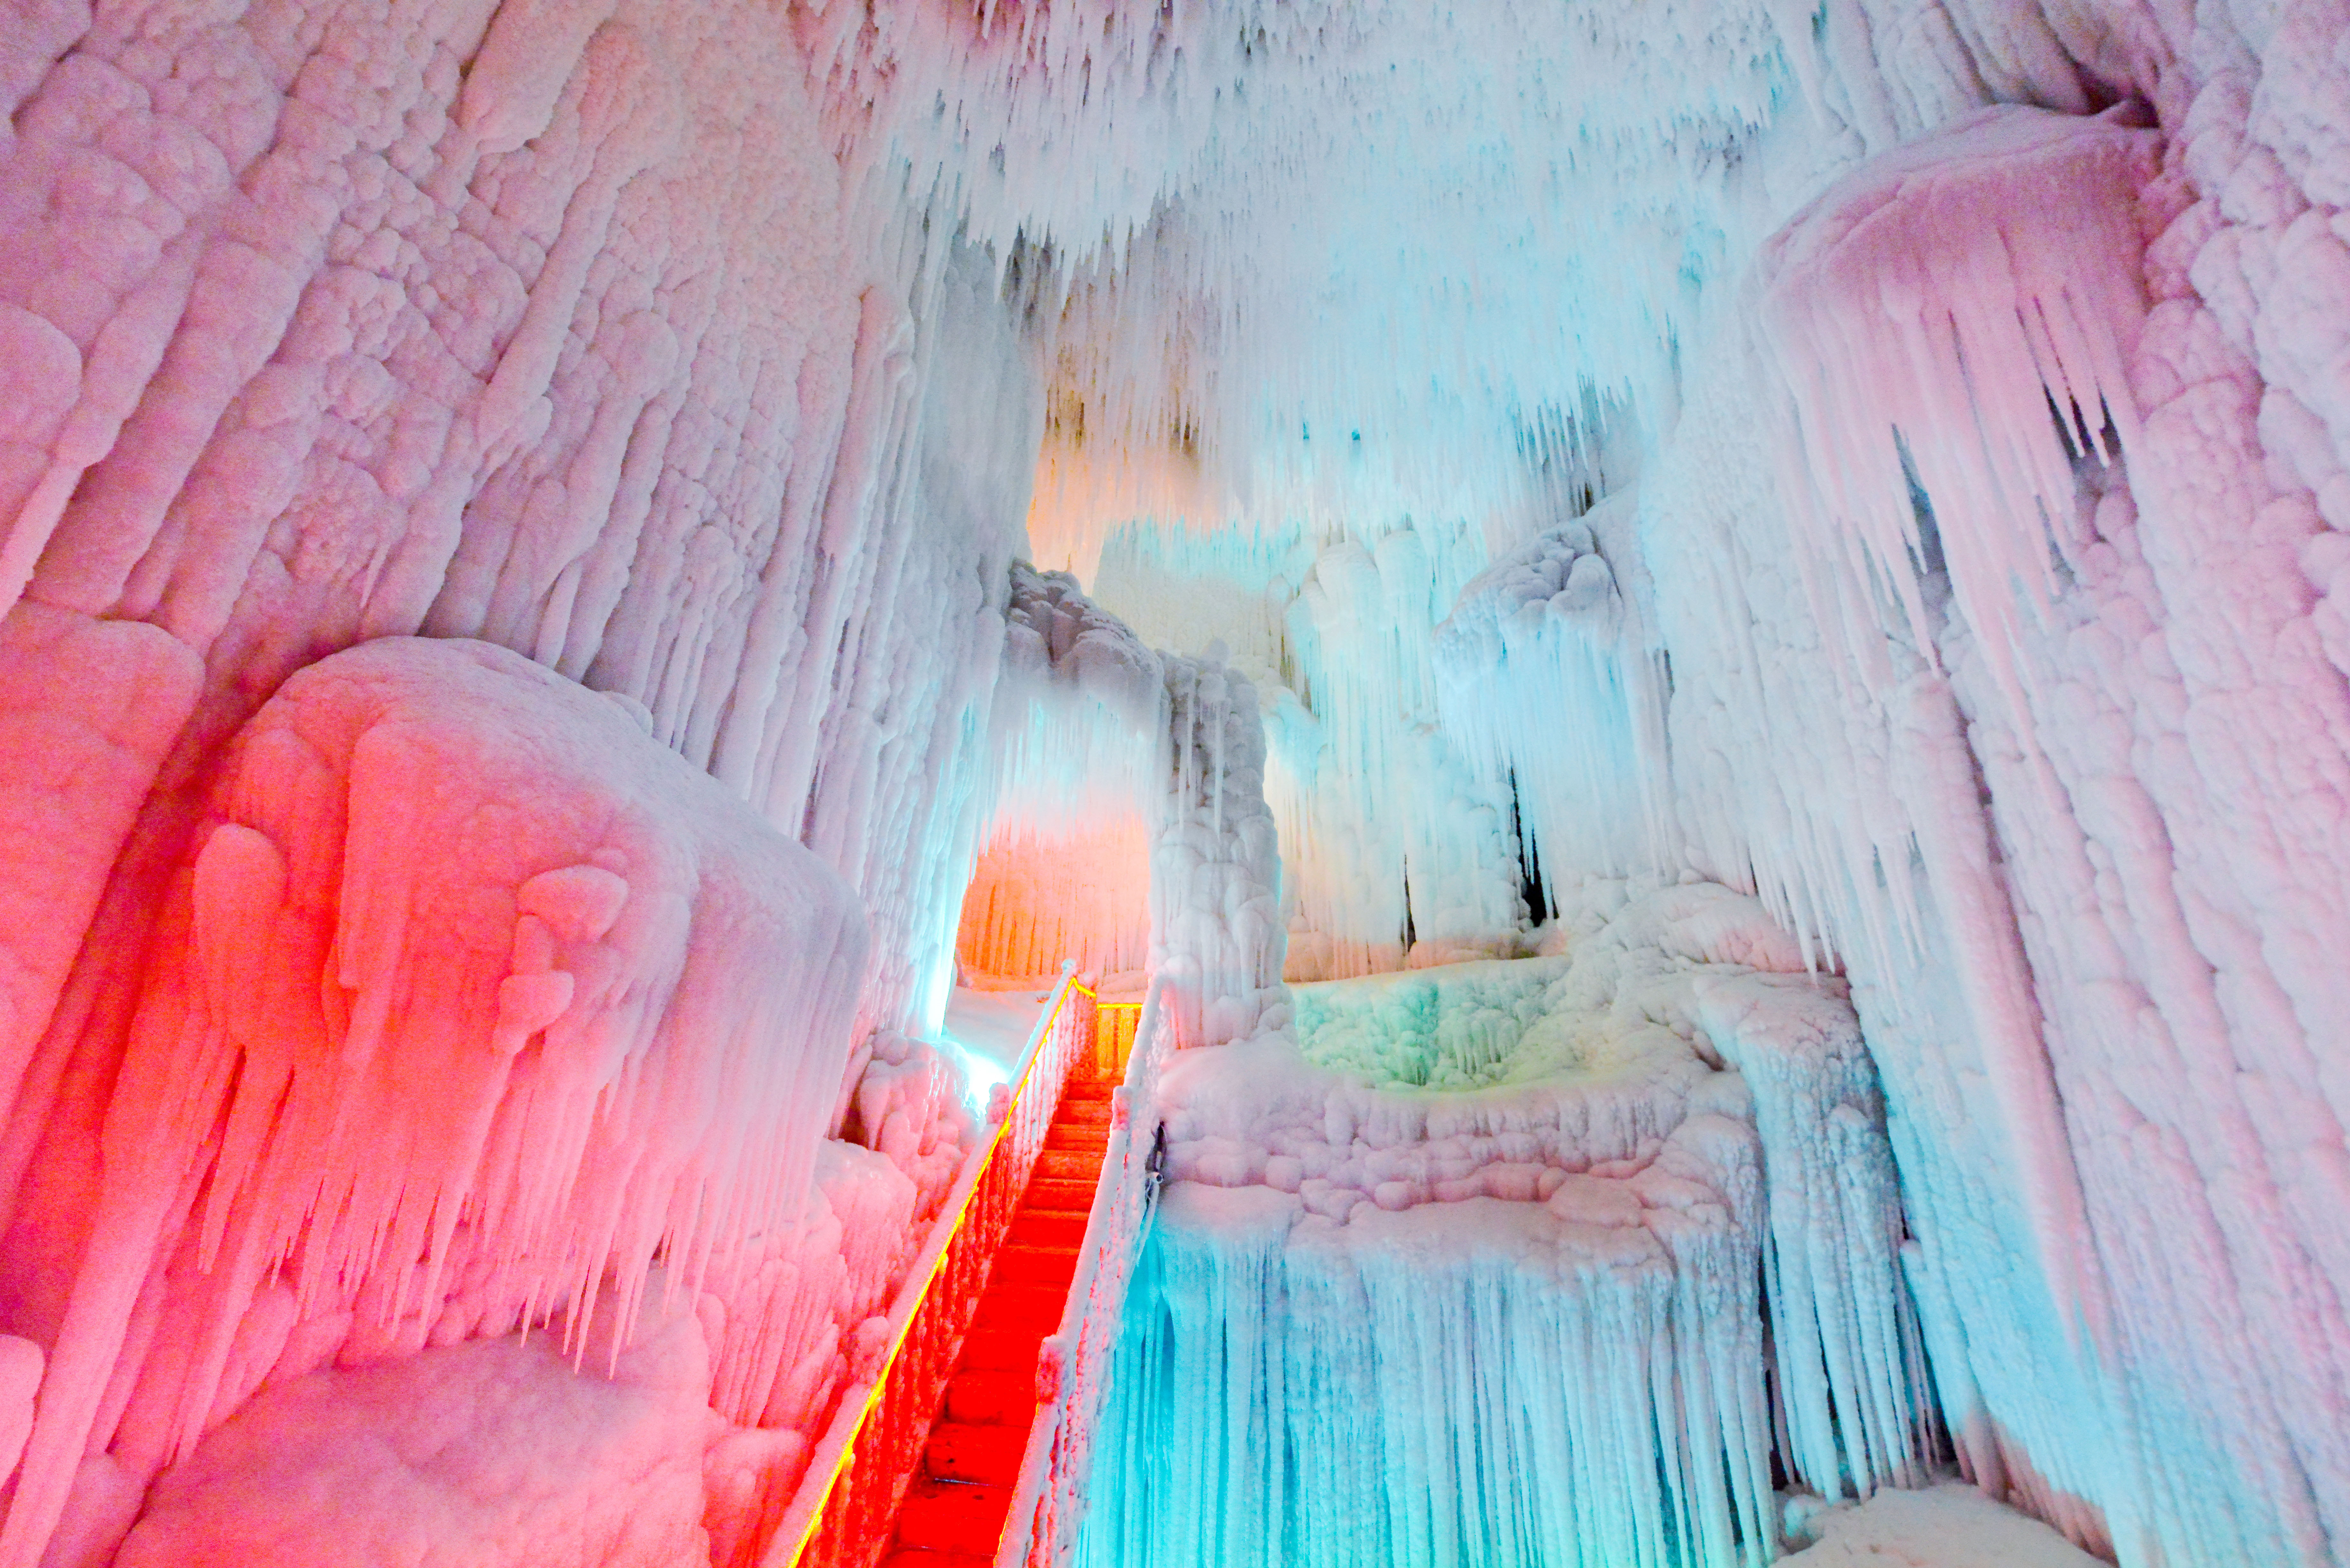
[432,1061]
[1548,669]
[1098,733]
[508,524]
[1945,1526]
[1469,1270]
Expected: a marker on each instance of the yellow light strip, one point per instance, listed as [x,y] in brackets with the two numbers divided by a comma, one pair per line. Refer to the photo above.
[888,1362]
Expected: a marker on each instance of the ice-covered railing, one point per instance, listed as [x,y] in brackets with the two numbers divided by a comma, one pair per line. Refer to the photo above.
[859,1475]
[1072,1369]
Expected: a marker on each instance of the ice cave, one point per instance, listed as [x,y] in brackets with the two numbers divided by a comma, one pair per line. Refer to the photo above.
[1206,784]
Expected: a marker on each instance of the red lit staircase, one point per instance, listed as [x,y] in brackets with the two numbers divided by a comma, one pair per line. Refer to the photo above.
[955,1512]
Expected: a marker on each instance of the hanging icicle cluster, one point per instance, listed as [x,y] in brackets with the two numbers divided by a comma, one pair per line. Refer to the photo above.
[1548,673]
[1953,321]
[484,1002]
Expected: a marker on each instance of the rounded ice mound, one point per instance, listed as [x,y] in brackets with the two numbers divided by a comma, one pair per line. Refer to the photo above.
[1654,1142]
[1408,1087]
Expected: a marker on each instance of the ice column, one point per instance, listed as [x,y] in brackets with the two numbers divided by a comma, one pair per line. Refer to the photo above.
[1847,1355]
[1093,727]
[1215,881]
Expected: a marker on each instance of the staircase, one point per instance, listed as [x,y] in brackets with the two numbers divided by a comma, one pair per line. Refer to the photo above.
[955,1511]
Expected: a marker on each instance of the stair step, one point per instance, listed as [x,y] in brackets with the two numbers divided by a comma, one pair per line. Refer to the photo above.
[1022,1306]
[1044,1228]
[1018,1265]
[964,1451]
[952,1516]
[954,1513]
[992,1396]
[1069,1164]
[1052,1194]
[997,1347]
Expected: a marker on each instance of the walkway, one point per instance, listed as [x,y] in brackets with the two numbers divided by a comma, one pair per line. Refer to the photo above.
[955,1511]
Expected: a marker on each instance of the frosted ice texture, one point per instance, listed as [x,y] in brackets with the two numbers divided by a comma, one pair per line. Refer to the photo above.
[631,337]
[1946,1526]
[2054,778]
[556,325]
[1097,730]
[2050,829]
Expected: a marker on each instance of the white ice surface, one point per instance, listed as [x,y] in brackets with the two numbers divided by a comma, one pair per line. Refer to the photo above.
[1483,1269]
[995,1024]
[1952,1525]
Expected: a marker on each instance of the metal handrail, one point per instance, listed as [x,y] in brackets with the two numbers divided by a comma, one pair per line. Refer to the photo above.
[837,1456]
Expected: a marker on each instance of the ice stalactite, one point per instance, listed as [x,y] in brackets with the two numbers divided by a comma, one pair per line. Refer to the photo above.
[1263,341]
[1520,1318]
[1384,829]
[1390,872]
[1549,670]
[1956,318]
[1038,897]
[469,1002]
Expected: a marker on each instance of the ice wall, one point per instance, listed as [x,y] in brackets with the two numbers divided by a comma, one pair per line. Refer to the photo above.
[2037,711]
[576,329]
[1038,897]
